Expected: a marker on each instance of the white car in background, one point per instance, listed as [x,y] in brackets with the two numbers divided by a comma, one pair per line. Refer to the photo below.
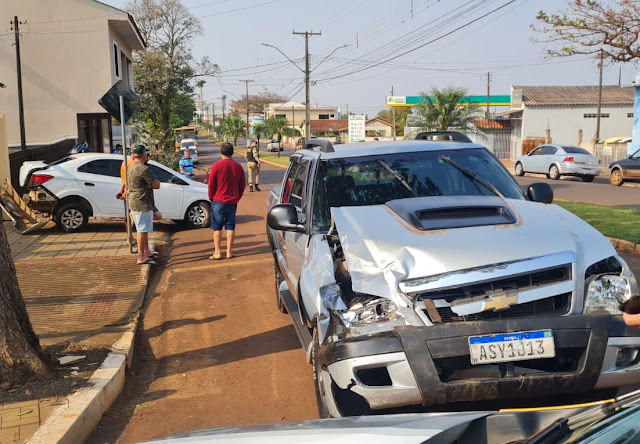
[81,186]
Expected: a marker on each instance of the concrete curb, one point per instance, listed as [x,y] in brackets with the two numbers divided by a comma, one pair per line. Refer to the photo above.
[74,422]
[624,246]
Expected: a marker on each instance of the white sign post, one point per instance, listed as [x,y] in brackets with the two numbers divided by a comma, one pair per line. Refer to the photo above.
[356,128]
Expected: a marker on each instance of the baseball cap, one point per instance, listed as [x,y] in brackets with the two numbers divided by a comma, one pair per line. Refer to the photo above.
[139,149]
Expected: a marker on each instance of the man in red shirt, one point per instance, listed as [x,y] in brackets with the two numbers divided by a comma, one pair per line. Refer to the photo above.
[226,186]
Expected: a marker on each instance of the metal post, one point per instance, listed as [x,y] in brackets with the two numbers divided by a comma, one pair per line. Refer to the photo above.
[597,137]
[393,113]
[23,139]
[126,169]
[246,83]
[488,116]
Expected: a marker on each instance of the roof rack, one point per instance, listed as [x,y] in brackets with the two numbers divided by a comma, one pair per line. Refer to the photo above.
[446,136]
[322,145]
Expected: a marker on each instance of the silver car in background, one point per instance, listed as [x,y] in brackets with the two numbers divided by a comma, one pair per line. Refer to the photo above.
[560,160]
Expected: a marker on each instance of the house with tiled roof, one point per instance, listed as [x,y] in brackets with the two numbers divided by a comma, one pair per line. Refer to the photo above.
[568,113]
[374,127]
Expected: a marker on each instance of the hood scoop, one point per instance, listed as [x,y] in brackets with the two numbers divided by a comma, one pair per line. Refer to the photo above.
[445,212]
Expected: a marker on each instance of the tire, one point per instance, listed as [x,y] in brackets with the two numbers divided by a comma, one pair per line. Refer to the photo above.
[554,173]
[519,169]
[615,178]
[198,215]
[588,178]
[277,277]
[72,217]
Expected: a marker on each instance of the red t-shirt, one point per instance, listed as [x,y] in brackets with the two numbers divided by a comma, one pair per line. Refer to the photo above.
[226,181]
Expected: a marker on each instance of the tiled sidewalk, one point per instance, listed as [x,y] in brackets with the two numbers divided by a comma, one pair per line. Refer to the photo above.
[20,420]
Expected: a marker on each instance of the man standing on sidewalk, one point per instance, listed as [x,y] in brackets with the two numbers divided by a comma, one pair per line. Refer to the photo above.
[226,186]
[253,165]
[142,182]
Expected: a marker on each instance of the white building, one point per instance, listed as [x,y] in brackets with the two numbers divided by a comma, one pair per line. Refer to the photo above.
[568,113]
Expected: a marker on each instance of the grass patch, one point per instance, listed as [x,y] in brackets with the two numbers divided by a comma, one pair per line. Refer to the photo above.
[273,157]
[620,223]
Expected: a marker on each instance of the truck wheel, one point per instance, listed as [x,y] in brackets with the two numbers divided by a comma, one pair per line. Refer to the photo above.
[277,277]
[327,407]
[72,217]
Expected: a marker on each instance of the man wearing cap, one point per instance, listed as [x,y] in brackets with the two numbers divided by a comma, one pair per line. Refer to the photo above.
[142,182]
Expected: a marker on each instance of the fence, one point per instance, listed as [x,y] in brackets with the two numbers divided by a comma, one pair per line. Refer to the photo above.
[613,152]
[498,142]
[47,153]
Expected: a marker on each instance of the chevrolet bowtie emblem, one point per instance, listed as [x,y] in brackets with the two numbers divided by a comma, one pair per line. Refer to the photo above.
[500,302]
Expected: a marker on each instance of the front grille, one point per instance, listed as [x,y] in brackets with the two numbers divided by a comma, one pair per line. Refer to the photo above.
[555,305]
[552,305]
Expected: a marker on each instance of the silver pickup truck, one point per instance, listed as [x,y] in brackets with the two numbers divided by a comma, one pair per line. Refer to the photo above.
[418,274]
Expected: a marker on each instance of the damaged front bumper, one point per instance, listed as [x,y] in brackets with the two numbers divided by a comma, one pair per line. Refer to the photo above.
[431,365]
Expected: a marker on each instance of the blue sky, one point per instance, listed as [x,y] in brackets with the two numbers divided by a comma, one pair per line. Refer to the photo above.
[380,31]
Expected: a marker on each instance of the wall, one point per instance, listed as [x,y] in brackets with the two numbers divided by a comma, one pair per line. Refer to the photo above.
[66,66]
[564,122]
[4,151]
[385,130]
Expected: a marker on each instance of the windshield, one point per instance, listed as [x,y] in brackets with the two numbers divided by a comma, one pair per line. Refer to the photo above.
[374,180]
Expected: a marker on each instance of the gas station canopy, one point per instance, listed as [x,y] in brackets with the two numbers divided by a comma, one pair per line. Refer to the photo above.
[501,100]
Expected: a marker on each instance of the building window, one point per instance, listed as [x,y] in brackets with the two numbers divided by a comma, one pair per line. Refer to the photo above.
[594,115]
[630,115]
[332,116]
[323,116]
[116,59]
[281,116]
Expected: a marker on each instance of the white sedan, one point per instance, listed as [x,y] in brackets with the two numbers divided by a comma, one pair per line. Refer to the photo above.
[85,185]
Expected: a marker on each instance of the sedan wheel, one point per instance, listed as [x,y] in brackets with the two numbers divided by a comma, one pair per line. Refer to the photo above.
[72,217]
[616,178]
[554,173]
[519,169]
[198,215]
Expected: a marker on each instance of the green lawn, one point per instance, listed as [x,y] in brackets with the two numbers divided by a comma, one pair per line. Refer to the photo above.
[273,157]
[620,223]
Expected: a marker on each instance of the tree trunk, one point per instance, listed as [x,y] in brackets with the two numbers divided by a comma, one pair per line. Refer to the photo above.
[21,357]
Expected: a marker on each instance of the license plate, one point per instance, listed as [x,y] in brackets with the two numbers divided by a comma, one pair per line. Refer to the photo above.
[509,347]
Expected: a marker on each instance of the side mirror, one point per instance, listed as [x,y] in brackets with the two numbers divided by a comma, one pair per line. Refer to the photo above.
[540,192]
[285,217]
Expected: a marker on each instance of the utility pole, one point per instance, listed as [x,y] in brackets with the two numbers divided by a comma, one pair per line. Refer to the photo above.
[393,114]
[246,83]
[224,97]
[307,123]
[488,115]
[213,117]
[16,30]
[293,124]
[599,97]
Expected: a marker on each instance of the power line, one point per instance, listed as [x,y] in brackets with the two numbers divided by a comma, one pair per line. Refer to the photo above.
[239,9]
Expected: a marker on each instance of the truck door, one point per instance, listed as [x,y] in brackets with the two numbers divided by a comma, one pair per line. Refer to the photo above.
[295,244]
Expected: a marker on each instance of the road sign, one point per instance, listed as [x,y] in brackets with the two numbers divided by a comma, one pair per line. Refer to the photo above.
[356,128]
[111,101]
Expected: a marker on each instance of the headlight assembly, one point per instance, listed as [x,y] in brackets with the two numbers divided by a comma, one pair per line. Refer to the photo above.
[370,312]
[610,283]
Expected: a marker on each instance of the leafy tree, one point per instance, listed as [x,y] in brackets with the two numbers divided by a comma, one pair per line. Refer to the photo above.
[260,130]
[164,70]
[257,102]
[232,126]
[586,27]
[446,109]
[21,357]
[401,117]
[277,126]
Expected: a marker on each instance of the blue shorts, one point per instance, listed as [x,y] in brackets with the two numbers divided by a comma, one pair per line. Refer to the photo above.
[143,221]
[223,215]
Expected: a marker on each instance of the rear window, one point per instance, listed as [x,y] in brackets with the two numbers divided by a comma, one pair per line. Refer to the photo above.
[575,150]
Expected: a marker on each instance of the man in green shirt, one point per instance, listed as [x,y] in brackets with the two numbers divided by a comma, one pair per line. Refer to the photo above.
[142,182]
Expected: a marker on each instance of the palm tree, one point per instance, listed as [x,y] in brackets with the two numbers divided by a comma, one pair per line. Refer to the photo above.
[276,126]
[446,109]
[232,126]
[260,130]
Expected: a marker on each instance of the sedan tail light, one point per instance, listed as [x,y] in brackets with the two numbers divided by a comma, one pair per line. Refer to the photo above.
[40,178]
[568,159]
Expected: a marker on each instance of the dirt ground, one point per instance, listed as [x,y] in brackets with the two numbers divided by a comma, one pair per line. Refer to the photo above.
[212,348]
[69,378]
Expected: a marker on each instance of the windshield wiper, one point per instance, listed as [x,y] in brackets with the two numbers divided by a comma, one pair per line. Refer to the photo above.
[473,176]
[398,177]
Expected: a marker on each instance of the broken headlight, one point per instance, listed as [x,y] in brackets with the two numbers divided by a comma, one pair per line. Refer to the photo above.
[607,291]
[370,311]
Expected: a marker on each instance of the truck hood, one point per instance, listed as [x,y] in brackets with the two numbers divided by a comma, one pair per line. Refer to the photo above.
[382,248]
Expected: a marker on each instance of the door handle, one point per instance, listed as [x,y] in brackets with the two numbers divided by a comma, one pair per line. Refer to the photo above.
[89,184]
